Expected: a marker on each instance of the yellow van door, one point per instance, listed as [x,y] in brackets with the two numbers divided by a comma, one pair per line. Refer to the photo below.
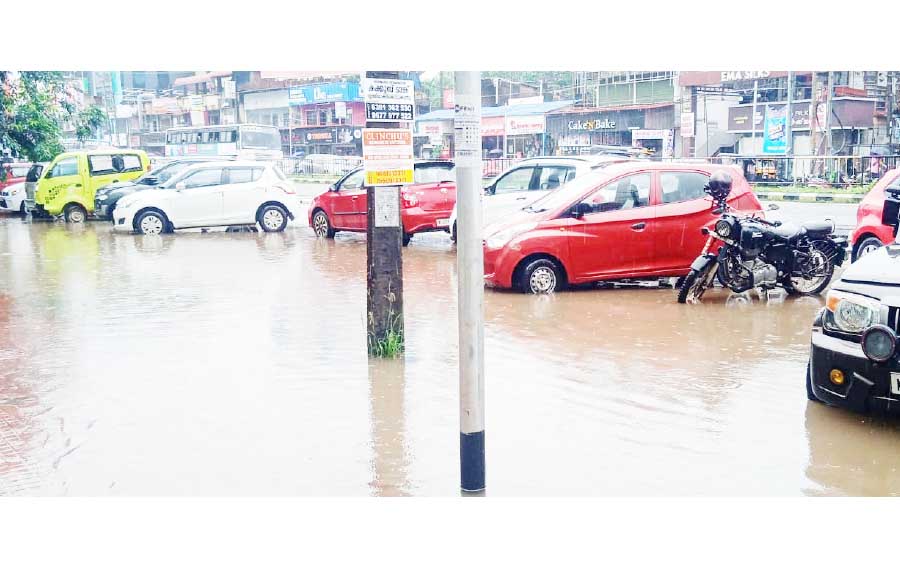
[61,181]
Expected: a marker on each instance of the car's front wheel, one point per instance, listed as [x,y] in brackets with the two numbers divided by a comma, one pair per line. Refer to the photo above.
[868,244]
[150,223]
[540,276]
[321,225]
[272,218]
[74,213]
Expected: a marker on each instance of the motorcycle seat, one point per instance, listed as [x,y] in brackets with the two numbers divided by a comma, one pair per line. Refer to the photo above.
[818,229]
[787,231]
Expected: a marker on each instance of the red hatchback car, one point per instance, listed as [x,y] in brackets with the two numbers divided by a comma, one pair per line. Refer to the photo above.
[626,221]
[871,232]
[426,205]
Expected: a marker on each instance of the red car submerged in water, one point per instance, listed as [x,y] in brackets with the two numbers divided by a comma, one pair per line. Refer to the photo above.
[871,231]
[426,205]
[626,221]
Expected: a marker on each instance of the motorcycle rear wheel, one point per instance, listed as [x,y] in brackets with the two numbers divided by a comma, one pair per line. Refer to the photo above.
[695,284]
[799,285]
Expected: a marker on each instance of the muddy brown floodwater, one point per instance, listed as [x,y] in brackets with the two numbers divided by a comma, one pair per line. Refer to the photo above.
[235,364]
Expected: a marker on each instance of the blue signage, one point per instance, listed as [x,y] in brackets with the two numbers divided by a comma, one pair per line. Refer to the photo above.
[319,93]
[775,135]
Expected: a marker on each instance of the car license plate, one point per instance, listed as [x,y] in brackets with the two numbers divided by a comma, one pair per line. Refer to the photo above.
[443,222]
[895,383]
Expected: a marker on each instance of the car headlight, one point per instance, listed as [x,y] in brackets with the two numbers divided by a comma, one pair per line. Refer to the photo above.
[879,343]
[851,313]
[102,197]
[502,237]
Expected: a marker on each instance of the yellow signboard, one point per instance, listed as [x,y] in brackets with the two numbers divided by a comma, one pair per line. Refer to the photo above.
[388,177]
[388,156]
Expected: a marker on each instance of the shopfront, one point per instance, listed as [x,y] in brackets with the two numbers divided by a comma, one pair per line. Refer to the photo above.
[574,132]
[525,135]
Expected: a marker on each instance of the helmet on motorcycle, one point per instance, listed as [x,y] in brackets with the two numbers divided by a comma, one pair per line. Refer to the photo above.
[719,185]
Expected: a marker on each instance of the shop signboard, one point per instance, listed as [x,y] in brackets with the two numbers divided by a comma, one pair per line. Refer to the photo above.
[387,156]
[388,99]
[775,130]
[322,93]
[524,124]
[493,127]
[687,124]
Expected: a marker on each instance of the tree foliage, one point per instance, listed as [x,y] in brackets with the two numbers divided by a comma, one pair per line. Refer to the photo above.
[32,106]
[88,122]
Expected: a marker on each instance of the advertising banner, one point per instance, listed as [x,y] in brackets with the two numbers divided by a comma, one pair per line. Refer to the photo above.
[775,134]
[388,99]
[388,156]
[524,124]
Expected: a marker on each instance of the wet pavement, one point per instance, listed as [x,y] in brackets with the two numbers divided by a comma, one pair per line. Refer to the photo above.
[234,364]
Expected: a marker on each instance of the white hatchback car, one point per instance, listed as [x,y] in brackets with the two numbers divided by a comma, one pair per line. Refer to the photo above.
[531,179]
[211,194]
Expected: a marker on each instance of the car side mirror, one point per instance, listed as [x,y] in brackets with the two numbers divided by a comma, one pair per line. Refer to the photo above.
[334,187]
[581,209]
[180,186]
[152,180]
[773,207]
[490,189]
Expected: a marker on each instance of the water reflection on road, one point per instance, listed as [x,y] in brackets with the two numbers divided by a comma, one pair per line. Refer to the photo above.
[234,364]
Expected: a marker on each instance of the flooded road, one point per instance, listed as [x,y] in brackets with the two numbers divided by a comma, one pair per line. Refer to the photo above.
[235,364]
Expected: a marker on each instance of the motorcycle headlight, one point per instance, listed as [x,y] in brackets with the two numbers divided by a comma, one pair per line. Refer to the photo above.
[501,238]
[851,313]
[723,228]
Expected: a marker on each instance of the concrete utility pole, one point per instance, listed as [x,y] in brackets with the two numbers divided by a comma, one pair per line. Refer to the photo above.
[789,127]
[829,89]
[470,272]
[384,261]
[753,117]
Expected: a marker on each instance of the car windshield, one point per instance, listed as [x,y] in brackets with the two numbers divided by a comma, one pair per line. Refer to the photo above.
[434,173]
[166,173]
[569,191]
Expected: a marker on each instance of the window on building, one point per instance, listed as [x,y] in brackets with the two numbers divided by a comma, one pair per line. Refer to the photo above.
[323,117]
[311,118]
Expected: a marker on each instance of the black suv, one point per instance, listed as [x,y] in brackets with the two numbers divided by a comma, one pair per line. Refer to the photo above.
[853,360]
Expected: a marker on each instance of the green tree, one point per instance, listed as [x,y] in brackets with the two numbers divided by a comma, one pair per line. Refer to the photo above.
[32,106]
[88,122]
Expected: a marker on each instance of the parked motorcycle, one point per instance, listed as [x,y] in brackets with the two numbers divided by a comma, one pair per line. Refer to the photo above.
[744,252]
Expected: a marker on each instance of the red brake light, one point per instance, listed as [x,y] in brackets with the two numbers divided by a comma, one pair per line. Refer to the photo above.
[409,200]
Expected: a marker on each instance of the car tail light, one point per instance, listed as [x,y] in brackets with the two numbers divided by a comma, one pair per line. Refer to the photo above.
[410,200]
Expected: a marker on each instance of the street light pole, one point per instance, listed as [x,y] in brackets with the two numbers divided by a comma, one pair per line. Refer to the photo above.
[470,273]
[789,127]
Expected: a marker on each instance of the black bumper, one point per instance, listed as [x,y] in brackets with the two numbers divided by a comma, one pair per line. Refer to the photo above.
[867,385]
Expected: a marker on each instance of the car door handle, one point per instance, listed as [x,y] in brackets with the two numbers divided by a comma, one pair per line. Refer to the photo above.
[354,197]
[77,185]
[523,198]
[638,226]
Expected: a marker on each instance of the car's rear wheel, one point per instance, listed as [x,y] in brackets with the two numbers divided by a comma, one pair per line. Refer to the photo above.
[272,218]
[74,213]
[321,225]
[867,245]
[406,239]
[22,209]
[540,276]
[453,232]
[150,223]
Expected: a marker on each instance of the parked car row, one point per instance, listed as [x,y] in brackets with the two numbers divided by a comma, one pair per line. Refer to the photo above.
[117,185]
